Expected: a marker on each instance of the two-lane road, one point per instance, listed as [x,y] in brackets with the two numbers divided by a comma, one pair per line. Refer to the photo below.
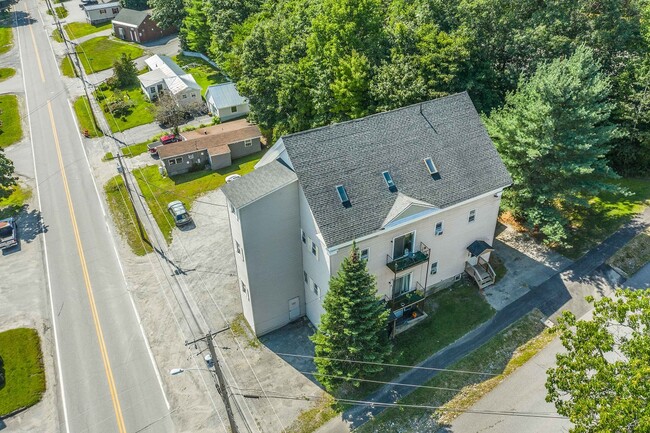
[107,378]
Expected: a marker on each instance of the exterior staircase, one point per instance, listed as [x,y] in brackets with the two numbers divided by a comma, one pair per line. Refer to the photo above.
[481,272]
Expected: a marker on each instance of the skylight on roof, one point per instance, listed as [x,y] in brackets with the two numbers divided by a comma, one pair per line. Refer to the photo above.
[430,166]
[389,181]
[343,195]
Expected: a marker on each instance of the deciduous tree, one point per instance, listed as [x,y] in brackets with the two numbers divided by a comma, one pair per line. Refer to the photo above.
[7,178]
[602,382]
[353,327]
[168,13]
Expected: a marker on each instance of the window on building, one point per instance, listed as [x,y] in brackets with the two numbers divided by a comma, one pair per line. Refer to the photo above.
[233,109]
[316,290]
[232,208]
[306,277]
[193,95]
[364,254]
[439,230]
[403,245]
[238,247]
[434,268]
[102,11]
[116,10]
[190,156]
[472,216]
[248,143]
[431,167]
[343,195]
[314,249]
[184,96]
[153,89]
[389,181]
[303,237]
[243,286]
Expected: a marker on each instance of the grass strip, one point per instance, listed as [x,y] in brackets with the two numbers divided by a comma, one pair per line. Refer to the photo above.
[11,129]
[502,354]
[21,361]
[86,117]
[77,30]
[124,216]
[6,73]
[634,255]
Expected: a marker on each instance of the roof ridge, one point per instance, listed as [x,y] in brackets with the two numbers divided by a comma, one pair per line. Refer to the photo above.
[360,119]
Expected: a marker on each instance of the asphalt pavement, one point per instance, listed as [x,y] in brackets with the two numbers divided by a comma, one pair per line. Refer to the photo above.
[106,378]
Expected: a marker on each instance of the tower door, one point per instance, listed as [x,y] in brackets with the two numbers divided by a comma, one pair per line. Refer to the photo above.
[294,308]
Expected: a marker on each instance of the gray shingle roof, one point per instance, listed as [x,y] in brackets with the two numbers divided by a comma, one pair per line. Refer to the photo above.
[225,95]
[258,183]
[130,16]
[355,154]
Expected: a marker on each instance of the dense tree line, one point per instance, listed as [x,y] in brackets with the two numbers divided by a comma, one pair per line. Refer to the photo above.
[307,63]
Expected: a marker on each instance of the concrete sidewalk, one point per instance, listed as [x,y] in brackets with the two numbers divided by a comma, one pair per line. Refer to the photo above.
[563,291]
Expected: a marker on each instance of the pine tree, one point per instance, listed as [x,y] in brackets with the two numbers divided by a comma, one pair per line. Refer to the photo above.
[553,134]
[353,327]
[125,72]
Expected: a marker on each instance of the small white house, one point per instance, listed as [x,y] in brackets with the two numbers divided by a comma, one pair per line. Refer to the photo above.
[102,12]
[166,76]
[225,101]
[417,188]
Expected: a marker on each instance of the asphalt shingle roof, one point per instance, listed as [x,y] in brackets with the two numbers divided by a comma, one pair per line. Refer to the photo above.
[355,153]
[258,183]
[130,16]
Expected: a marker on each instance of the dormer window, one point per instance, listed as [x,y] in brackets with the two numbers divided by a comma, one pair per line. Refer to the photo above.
[389,181]
[431,167]
[343,196]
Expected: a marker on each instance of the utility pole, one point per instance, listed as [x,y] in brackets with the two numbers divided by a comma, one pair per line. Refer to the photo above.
[221,385]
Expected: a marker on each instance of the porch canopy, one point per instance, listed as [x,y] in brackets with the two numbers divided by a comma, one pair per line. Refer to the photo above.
[477,248]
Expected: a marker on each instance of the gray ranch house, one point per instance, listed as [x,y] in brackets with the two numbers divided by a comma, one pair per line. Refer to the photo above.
[217,146]
[225,101]
[102,12]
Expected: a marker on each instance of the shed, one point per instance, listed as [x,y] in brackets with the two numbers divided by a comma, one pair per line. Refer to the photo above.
[225,101]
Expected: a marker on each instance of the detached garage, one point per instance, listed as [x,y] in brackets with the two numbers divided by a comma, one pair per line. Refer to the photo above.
[137,26]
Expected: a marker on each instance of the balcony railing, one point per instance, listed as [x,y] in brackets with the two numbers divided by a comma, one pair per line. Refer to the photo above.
[408,261]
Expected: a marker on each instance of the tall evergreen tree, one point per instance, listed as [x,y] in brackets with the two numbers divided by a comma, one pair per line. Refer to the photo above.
[553,134]
[353,327]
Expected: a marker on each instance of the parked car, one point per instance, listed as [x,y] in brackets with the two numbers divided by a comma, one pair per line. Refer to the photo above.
[8,233]
[232,177]
[180,214]
[170,138]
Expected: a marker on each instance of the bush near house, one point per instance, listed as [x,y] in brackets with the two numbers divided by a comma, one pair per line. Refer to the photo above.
[11,129]
[158,190]
[85,117]
[98,54]
[21,361]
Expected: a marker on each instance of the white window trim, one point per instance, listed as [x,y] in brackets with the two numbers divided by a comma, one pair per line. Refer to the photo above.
[442,228]
[367,250]
[303,236]
[431,268]
[314,246]
[472,216]
[248,142]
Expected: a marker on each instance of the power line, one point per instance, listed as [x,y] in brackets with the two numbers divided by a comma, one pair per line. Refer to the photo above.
[412,367]
[315,373]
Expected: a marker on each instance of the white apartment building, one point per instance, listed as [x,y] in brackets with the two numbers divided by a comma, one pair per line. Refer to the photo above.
[418,189]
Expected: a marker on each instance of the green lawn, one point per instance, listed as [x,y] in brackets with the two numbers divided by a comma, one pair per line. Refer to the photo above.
[501,355]
[12,205]
[11,129]
[204,74]
[452,313]
[6,33]
[608,212]
[158,191]
[124,216]
[22,362]
[61,12]
[56,35]
[77,30]
[85,117]
[139,113]
[136,149]
[6,73]
[98,54]
[67,67]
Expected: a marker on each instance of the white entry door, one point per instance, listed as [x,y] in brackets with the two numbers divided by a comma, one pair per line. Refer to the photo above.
[294,308]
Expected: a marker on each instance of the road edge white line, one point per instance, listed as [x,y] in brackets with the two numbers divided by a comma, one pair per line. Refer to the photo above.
[119,263]
[40,208]
[58,70]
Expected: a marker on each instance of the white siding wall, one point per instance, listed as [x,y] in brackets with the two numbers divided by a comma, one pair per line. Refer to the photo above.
[317,269]
[227,113]
[242,270]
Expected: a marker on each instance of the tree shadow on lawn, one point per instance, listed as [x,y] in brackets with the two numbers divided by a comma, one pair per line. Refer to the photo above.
[238,166]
